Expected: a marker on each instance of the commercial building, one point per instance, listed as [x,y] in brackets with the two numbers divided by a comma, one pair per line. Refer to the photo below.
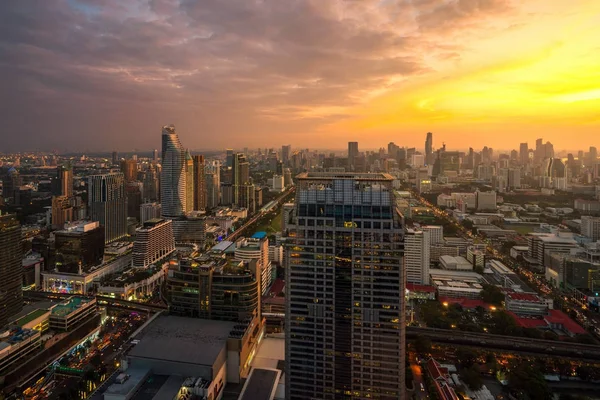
[129,170]
[79,247]
[476,256]
[190,228]
[70,313]
[455,263]
[199,183]
[11,273]
[523,304]
[457,284]
[189,182]
[173,177]
[107,204]
[16,344]
[153,242]
[486,200]
[416,256]
[62,211]
[63,184]
[345,286]
[541,245]
[436,233]
[133,283]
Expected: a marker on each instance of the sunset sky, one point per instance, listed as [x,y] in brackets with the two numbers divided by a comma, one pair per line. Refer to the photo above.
[107,74]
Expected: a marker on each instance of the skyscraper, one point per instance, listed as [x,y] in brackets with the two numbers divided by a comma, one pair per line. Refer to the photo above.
[199,183]
[172,182]
[155,156]
[229,158]
[129,169]
[345,289]
[189,182]
[240,175]
[352,154]
[63,185]
[115,158]
[107,203]
[429,148]
[11,268]
[286,150]
[524,153]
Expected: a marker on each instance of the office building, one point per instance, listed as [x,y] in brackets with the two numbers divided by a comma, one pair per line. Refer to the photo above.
[62,211]
[129,170]
[476,256]
[417,256]
[18,344]
[70,313]
[151,184]
[11,269]
[133,191]
[345,288]
[149,211]
[524,153]
[240,175]
[229,158]
[173,176]
[107,204]
[63,184]
[153,242]
[11,182]
[590,227]
[199,183]
[286,216]
[190,229]
[115,158]
[79,247]
[542,245]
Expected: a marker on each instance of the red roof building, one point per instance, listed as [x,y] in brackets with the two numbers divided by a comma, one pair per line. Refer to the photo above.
[555,319]
[441,380]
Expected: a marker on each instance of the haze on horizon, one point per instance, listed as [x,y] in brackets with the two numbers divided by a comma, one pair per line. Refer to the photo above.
[107,74]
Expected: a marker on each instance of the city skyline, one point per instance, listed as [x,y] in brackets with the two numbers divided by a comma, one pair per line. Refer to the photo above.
[102,75]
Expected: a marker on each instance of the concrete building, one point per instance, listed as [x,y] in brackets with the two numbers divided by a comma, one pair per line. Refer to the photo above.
[79,247]
[486,200]
[255,252]
[457,284]
[476,256]
[153,242]
[191,228]
[590,227]
[71,312]
[455,263]
[277,183]
[416,256]
[173,177]
[17,344]
[541,245]
[436,233]
[343,221]
[528,304]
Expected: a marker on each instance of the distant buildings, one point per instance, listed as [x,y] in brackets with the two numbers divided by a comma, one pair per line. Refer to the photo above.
[416,256]
[590,227]
[173,177]
[79,247]
[153,243]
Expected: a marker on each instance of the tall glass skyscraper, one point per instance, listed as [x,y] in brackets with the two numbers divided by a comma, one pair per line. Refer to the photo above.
[11,268]
[107,204]
[173,176]
[345,324]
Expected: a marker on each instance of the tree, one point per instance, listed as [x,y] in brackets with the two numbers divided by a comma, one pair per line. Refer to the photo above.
[466,357]
[423,345]
[492,295]
[472,377]
[527,381]
[504,324]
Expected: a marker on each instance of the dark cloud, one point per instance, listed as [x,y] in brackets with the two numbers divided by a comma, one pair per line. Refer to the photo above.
[86,74]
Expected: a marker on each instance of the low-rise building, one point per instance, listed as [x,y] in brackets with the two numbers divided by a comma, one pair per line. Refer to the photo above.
[455,263]
[70,313]
[457,284]
[16,344]
[527,304]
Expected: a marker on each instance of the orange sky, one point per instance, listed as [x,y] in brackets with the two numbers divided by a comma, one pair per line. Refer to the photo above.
[536,75]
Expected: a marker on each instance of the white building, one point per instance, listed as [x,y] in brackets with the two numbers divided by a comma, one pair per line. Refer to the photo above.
[455,263]
[416,256]
[173,177]
[255,251]
[590,227]
[476,256]
[277,183]
[154,241]
[436,233]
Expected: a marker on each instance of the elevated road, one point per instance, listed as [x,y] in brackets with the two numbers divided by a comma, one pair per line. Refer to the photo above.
[510,343]
[102,300]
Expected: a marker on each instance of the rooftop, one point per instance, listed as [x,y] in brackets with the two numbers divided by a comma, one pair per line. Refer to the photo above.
[184,340]
[345,175]
[67,307]
[261,384]
[524,297]
[259,235]
[30,317]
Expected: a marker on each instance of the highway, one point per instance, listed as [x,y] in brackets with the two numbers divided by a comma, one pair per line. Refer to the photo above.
[514,344]
[276,203]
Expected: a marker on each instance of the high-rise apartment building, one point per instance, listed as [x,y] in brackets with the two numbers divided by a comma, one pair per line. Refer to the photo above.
[213,190]
[62,211]
[107,204]
[240,172]
[153,242]
[11,267]
[229,158]
[199,183]
[155,156]
[345,288]
[115,158]
[436,233]
[255,252]
[417,256]
[172,182]
[129,169]
[189,182]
